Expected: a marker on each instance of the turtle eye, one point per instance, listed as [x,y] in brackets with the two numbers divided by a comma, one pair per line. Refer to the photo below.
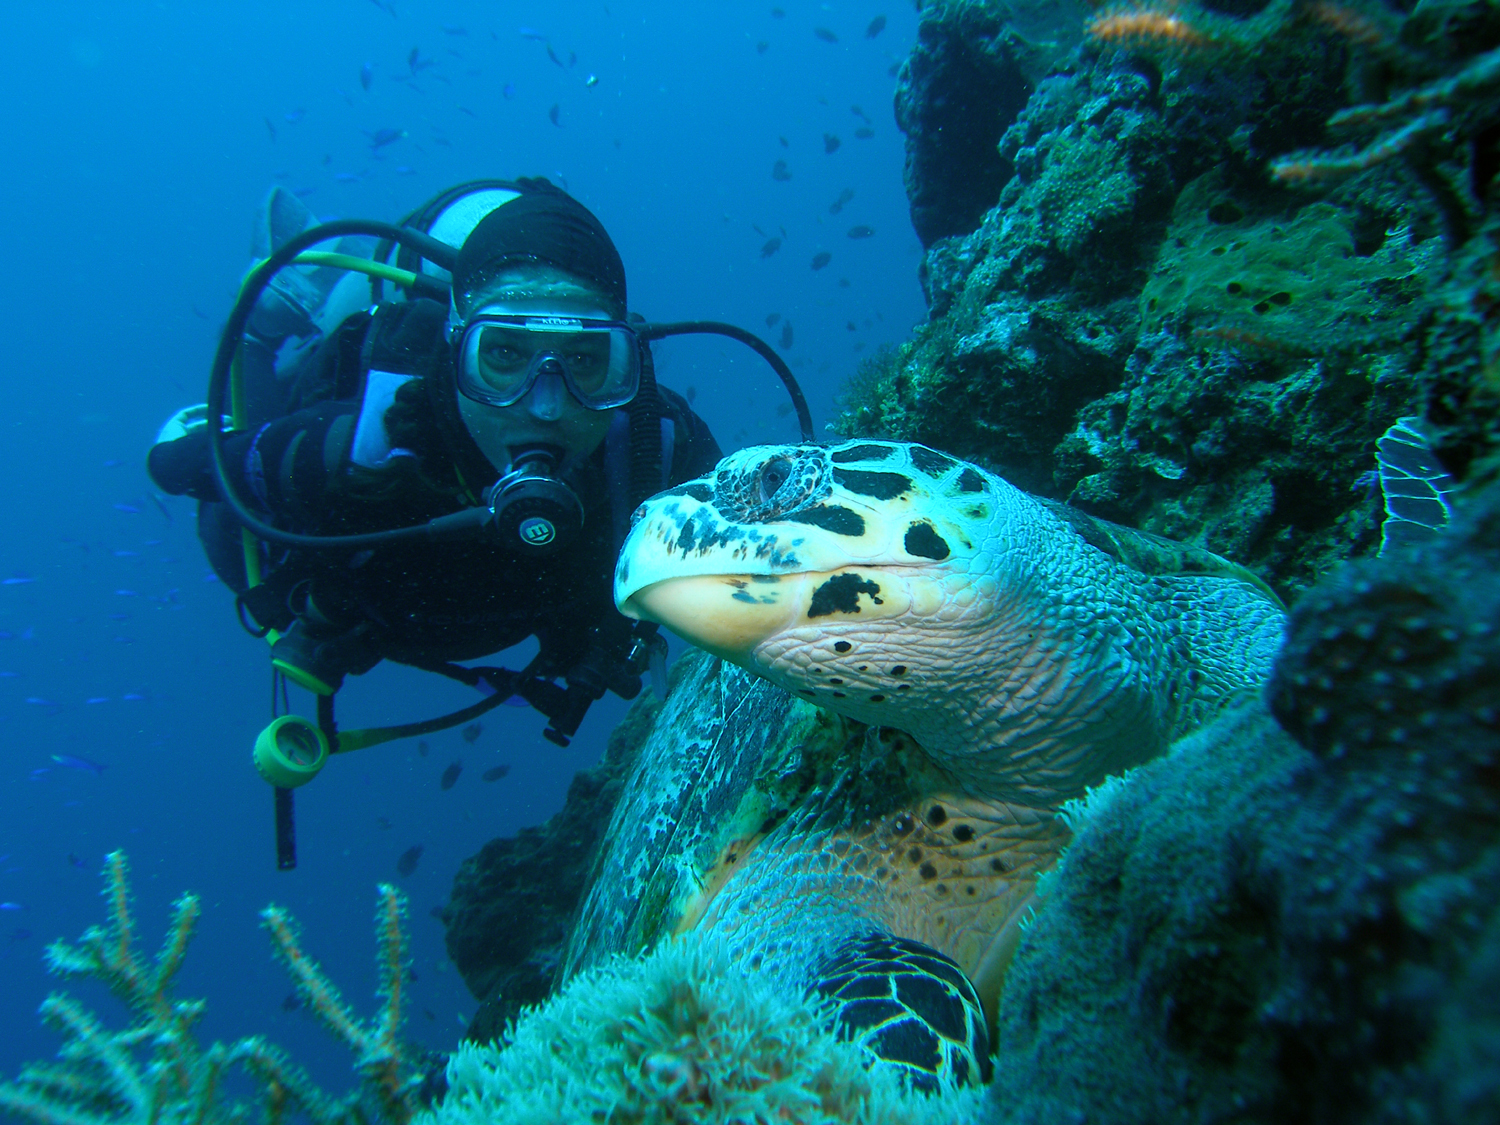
[773,475]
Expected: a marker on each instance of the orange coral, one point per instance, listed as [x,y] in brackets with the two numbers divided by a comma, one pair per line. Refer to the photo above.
[1134,25]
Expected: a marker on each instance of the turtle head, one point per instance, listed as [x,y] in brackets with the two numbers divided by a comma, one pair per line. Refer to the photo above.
[801,540]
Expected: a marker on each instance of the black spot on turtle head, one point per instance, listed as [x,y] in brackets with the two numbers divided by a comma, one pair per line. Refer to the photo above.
[840,594]
[970,481]
[963,833]
[921,540]
[861,453]
[830,517]
[882,486]
[685,537]
[930,461]
[927,871]
[937,816]
[841,646]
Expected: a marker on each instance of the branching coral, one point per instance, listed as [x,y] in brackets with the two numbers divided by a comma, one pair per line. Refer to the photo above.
[1461,102]
[154,1071]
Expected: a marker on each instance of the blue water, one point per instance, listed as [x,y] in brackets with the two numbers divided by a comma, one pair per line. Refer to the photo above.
[138,142]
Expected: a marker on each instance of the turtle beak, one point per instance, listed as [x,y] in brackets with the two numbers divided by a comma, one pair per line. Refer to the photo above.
[725,615]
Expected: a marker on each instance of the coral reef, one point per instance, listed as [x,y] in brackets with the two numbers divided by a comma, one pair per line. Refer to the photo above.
[1292,916]
[679,1036]
[1142,255]
[154,1070]
[513,903]
[968,76]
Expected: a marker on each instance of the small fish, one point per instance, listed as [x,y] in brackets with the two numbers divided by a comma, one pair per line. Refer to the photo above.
[38,701]
[367,76]
[551,54]
[11,906]
[773,319]
[762,47]
[294,116]
[863,133]
[859,112]
[772,245]
[825,34]
[16,675]
[778,13]
[453,29]
[382,137]
[591,81]
[97,699]
[784,142]
[783,409]
[421,748]
[406,863]
[17,581]
[533,34]
[877,25]
[689,394]
[126,594]
[780,172]
[495,773]
[472,732]
[470,112]
[861,231]
[450,775]
[270,129]
[129,509]
[509,91]
[831,143]
[821,259]
[77,862]
[133,696]
[347,177]
[383,823]
[554,115]
[291,1002]
[838,204]
[786,335]
[73,762]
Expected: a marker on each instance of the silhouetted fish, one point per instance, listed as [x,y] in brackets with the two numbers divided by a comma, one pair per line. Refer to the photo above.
[772,319]
[450,776]
[780,172]
[366,76]
[472,732]
[772,245]
[762,47]
[786,335]
[495,773]
[863,133]
[407,862]
[689,394]
[831,143]
[421,748]
[861,231]
[554,115]
[382,137]
[877,25]
[838,204]
[74,762]
[825,34]
[821,259]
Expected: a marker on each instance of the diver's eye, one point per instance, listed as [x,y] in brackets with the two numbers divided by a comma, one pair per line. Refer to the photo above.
[775,474]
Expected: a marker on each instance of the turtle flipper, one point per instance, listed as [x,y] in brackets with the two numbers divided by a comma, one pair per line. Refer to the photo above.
[911,1008]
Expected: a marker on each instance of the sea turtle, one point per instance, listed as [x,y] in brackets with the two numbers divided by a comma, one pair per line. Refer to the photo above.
[1026,650]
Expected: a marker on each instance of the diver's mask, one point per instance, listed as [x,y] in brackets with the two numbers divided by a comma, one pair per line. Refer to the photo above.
[501,356]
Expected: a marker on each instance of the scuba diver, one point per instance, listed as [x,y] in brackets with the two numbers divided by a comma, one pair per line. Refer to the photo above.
[435,474]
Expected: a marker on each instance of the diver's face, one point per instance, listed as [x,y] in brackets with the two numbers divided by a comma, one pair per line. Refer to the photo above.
[548,414]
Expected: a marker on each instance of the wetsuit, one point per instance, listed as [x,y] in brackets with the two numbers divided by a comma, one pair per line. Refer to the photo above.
[423,603]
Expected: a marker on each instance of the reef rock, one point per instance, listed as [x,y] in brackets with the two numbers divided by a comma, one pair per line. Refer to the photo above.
[1145,321]
[513,903]
[1293,916]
